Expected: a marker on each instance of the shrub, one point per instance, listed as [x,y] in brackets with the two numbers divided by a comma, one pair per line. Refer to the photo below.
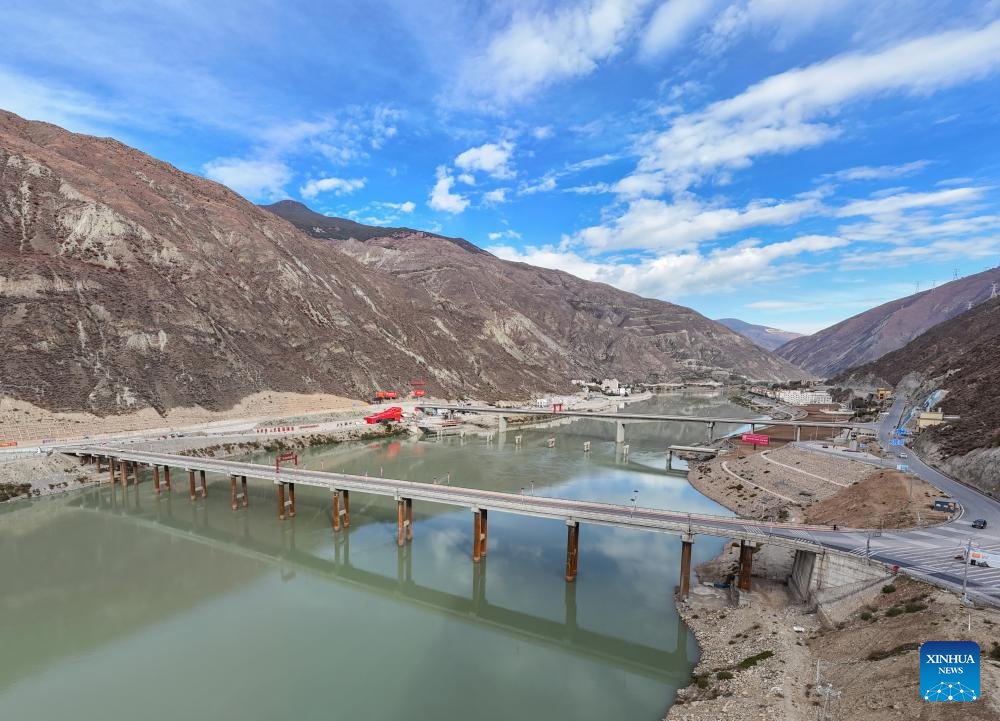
[751,661]
[866,616]
[898,650]
[724,675]
[914,607]
[894,611]
[995,651]
[888,589]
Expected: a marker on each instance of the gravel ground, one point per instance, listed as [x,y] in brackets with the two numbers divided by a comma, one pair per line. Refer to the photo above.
[46,474]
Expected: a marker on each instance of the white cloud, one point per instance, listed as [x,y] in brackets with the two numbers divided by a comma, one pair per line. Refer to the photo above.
[466,178]
[497,235]
[879,172]
[255,179]
[543,185]
[338,186]
[495,197]
[672,23]
[655,224]
[542,133]
[674,275]
[786,112]
[441,197]
[406,207]
[903,201]
[539,48]
[490,158]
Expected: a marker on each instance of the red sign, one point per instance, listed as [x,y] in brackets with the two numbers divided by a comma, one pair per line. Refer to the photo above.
[419,392]
[557,407]
[8,444]
[755,438]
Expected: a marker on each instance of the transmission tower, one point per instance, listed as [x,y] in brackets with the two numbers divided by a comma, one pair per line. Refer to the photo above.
[993,290]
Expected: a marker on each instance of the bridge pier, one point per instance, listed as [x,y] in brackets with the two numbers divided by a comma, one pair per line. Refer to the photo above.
[246,496]
[111,471]
[746,566]
[122,474]
[798,433]
[711,430]
[283,504]
[483,516]
[135,473]
[336,510]
[477,531]
[166,477]
[239,498]
[347,509]
[501,424]
[194,495]
[619,432]
[687,541]
[572,549]
[156,478]
[409,521]
[204,488]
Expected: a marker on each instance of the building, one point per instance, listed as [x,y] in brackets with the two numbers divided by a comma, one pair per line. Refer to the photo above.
[926,419]
[804,398]
[883,393]
[610,386]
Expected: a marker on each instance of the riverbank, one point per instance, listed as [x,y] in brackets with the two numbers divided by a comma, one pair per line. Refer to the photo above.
[759,658]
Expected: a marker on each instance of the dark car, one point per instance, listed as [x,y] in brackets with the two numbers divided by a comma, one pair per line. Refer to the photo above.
[979,523]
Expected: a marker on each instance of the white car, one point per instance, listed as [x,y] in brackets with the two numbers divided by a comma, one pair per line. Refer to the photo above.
[903,455]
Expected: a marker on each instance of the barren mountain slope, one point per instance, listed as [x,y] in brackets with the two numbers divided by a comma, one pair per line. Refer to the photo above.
[599,325]
[126,283]
[875,332]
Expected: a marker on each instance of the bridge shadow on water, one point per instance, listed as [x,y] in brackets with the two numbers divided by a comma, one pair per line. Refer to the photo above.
[261,538]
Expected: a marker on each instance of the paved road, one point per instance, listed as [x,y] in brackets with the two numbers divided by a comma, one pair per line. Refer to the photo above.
[930,552]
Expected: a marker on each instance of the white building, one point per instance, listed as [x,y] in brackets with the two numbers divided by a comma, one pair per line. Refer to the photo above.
[610,386]
[804,398]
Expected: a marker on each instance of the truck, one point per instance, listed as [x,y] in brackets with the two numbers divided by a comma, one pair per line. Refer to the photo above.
[385,396]
[979,557]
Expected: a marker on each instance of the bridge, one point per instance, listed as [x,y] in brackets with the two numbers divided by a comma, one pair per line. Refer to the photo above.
[807,540]
[621,418]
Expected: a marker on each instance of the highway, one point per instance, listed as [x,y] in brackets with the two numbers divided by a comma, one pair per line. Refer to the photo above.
[930,552]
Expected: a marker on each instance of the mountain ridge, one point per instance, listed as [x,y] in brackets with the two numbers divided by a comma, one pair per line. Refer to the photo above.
[127,283]
[765,336]
[880,330]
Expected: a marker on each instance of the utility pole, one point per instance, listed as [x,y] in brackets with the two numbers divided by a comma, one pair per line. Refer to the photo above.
[965,576]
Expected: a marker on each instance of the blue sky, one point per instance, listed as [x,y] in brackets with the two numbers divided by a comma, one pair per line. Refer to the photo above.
[784,162]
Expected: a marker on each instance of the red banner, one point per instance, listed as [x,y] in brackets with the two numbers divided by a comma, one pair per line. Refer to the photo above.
[8,444]
[755,438]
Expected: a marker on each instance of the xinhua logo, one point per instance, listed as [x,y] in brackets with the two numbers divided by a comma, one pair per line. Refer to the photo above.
[949,671]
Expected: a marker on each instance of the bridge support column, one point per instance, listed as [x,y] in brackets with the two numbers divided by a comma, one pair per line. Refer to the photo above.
[111,471]
[347,509]
[135,473]
[246,496]
[97,460]
[291,500]
[281,501]
[400,524]
[194,495]
[482,532]
[283,504]
[746,566]
[684,587]
[232,482]
[572,549]
[501,425]
[711,431]
[166,477]
[619,432]
[800,580]
[123,474]
[670,459]
[336,510]
[409,520]
[477,530]
[204,488]
[156,478]
[798,433]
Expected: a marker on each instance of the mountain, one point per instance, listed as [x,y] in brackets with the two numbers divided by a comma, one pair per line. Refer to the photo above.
[764,336]
[650,339]
[126,283]
[960,357]
[878,331]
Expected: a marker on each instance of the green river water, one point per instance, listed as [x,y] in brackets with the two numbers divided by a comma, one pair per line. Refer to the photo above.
[138,606]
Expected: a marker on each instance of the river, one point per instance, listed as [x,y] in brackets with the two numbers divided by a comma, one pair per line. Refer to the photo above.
[123,606]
